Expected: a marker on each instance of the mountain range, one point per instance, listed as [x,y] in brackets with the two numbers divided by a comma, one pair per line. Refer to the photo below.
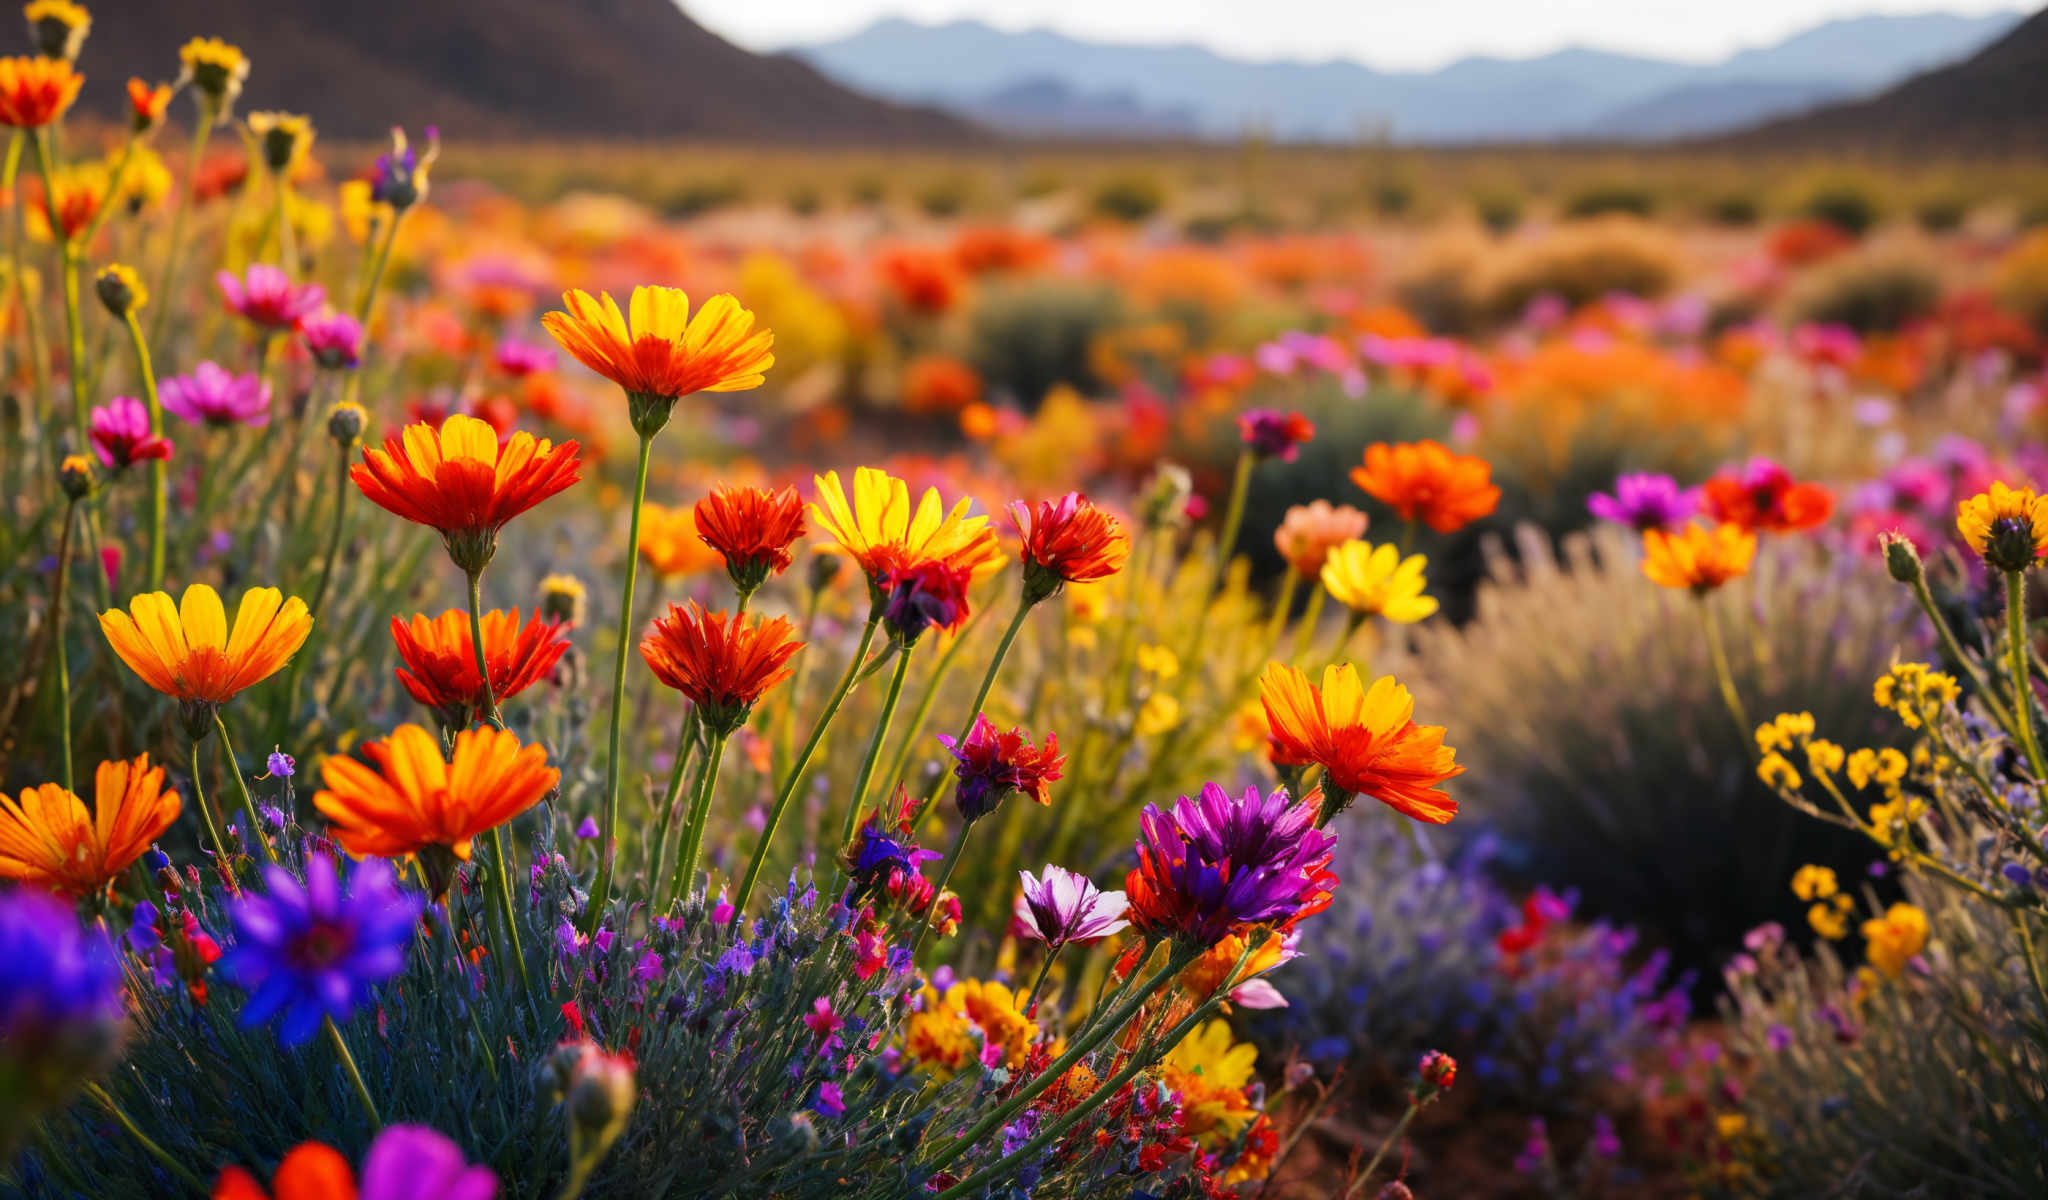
[626,69]
[1039,81]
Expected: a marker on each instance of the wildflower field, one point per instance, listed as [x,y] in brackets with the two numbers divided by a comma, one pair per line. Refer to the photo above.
[536,675]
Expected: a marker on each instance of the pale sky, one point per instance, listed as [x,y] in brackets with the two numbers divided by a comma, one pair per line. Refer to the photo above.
[1400,35]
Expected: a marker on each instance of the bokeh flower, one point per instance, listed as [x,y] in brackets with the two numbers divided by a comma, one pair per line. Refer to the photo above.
[334,339]
[409,798]
[267,298]
[670,544]
[1061,907]
[48,840]
[61,1016]
[1309,532]
[120,434]
[1698,557]
[1425,481]
[752,529]
[188,651]
[1645,500]
[1376,581]
[664,353]
[58,27]
[1763,498]
[440,660]
[35,91]
[921,595]
[992,766]
[1893,939]
[217,70]
[2007,526]
[1068,540]
[214,397]
[1214,864]
[1365,740]
[460,481]
[882,532]
[1269,433]
[305,952]
[147,104]
[406,1162]
[723,662]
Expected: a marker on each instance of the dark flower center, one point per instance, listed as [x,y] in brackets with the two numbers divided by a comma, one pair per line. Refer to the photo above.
[323,944]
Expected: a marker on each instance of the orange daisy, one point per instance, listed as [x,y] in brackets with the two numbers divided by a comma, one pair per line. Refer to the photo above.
[462,482]
[440,659]
[409,799]
[1309,532]
[721,661]
[669,542]
[188,651]
[752,528]
[883,533]
[1426,481]
[1365,740]
[36,91]
[48,840]
[1698,557]
[663,354]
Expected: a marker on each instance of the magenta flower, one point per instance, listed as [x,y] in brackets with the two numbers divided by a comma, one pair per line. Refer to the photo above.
[992,766]
[211,396]
[1646,501]
[334,339]
[1269,433]
[413,1162]
[267,297]
[1215,863]
[520,359]
[921,596]
[1065,907]
[120,434]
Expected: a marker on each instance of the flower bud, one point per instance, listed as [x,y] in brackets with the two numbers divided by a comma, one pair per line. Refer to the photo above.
[563,600]
[1395,1190]
[120,290]
[1434,1076]
[345,423]
[1900,558]
[823,569]
[58,28]
[74,475]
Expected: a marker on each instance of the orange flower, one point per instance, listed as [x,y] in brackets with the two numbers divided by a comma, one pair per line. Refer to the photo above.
[720,661]
[752,528]
[883,533]
[146,104]
[48,840]
[78,192]
[1068,540]
[462,482]
[664,354]
[1426,481]
[1366,741]
[440,659]
[188,652]
[669,542]
[924,281]
[408,799]
[311,1171]
[1763,497]
[1698,557]
[1310,531]
[36,91]
[934,383]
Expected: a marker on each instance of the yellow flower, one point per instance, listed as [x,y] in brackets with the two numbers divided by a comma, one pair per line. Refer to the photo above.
[58,27]
[1884,767]
[2008,526]
[1784,731]
[1893,820]
[188,652]
[1777,771]
[217,69]
[993,1008]
[1376,580]
[1160,714]
[882,532]
[562,598]
[1088,600]
[1730,1126]
[1823,757]
[1891,940]
[1814,883]
[1829,921]
[1159,661]
[669,543]
[937,1037]
[1916,692]
[1211,1072]
[359,209]
[282,138]
[1698,557]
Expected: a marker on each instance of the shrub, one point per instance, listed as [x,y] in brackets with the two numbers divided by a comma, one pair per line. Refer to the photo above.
[1130,198]
[1877,290]
[2023,279]
[1441,285]
[701,196]
[1028,337]
[1393,198]
[1609,762]
[943,198]
[1606,198]
[1735,212]
[1847,206]
[1941,214]
[1582,261]
[1500,212]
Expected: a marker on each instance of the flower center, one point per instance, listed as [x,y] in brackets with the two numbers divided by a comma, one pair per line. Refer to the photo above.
[323,944]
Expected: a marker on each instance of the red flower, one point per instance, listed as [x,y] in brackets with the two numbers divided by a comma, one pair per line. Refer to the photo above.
[440,659]
[1068,540]
[753,529]
[460,481]
[1763,497]
[720,661]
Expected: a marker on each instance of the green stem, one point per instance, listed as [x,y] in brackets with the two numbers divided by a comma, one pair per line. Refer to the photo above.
[1283,604]
[1233,516]
[700,810]
[341,491]
[287,250]
[74,327]
[924,926]
[368,300]
[162,1156]
[159,470]
[1393,1139]
[106,208]
[988,682]
[787,718]
[58,604]
[504,873]
[173,260]
[803,760]
[686,752]
[476,645]
[911,733]
[1311,617]
[1725,677]
[1954,650]
[2022,686]
[355,1076]
[206,813]
[1052,955]
[227,752]
[600,891]
[858,798]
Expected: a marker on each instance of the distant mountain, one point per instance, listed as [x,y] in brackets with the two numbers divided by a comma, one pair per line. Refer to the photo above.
[504,68]
[969,67]
[1994,102]
[1047,106]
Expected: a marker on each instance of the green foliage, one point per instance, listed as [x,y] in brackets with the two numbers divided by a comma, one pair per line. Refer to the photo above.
[1606,198]
[1849,207]
[1735,211]
[1027,338]
[1871,291]
[1128,198]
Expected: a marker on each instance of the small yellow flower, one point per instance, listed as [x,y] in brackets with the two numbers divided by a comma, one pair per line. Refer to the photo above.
[1376,580]
[1829,921]
[1824,757]
[1784,731]
[1160,714]
[1892,821]
[2007,526]
[1777,772]
[1811,882]
[562,598]
[283,138]
[1158,661]
[217,69]
[1891,940]
[120,289]
[1088,600]
[58,27]
[1884,767]
[1730,1126]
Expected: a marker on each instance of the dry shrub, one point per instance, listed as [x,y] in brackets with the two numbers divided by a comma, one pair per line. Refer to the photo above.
[1873,290]
[1582,261]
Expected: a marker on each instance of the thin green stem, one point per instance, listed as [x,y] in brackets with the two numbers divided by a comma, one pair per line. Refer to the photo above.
[1311,617]
[159,470]
[915,730]
[802,761]
[167,280]
[58,604]
[355,1076]
[341,491]
[787,719]
[504,898]
[600,891]
[368,300]
[227,753]
[1283,604]
[858,798]
[700,811]
[931,910]
[206,813]
[183,1174]
[1052,955]
[74,325]
[988,682]
[1393,1139]
[2022,684]
[686,751]
[476,646]
[1954,650]
[1725,677]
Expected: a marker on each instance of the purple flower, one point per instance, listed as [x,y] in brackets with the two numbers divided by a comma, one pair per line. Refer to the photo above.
[880,853]
[281,765]
[1606,1143]
[266,297]
[60,999]
[312,951]
[990,766]
[120,433]
[1779,1038]
[1646,501]
[921,596]
[1269,433]
[400,177]
[334,339]
[413,1162]
[1214,863]
[1067,907]
[210,396]
[831,1102]
[588,829]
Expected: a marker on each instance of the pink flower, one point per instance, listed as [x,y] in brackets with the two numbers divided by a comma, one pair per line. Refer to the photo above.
[831,1102]
[334,339]
[121,436]
[268,298]
[211,396]
[520,359]
[822,1020]
[1067,907]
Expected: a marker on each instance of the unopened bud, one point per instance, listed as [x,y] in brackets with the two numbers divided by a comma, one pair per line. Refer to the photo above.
[823,569]
[563,600]
[120,290]
[74,475]
[345,423]
[1900,558]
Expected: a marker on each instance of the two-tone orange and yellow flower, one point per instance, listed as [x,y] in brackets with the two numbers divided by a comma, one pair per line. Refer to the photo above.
[462,482]
[48,840]
[1365,740]
[189,652]
[657,352]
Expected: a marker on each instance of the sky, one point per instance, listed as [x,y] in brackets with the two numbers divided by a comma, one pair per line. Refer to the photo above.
[1388,34]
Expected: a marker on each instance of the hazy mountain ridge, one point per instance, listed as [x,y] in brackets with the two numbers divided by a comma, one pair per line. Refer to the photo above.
[1576,92]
